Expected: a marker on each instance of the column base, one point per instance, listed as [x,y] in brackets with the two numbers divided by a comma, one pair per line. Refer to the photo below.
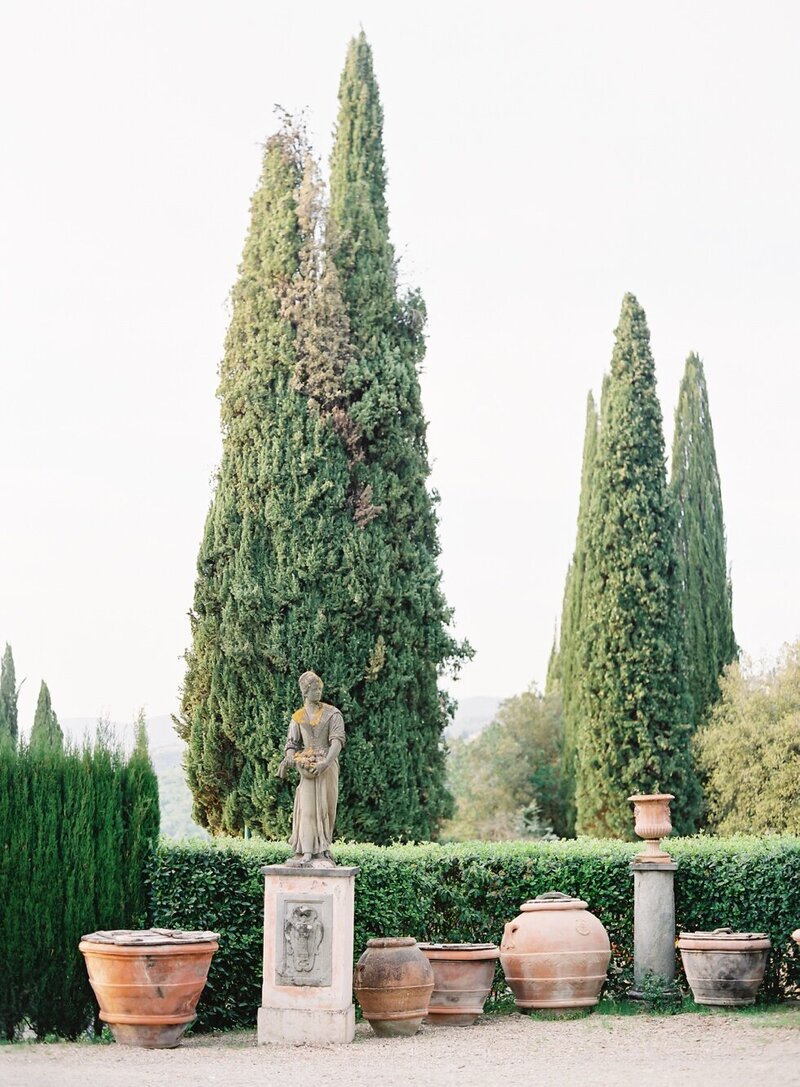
[306,1026]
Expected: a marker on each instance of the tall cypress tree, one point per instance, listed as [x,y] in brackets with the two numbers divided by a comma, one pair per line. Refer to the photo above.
[402,639]
[141,822]
[46,734]
[705,589]
[273,592]
[571,617]
[634,690]
[8,696]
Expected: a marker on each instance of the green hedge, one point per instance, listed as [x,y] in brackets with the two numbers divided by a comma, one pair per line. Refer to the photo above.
[467,892]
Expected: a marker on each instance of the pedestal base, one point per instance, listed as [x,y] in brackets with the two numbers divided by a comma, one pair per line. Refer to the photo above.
[307,993]
[313,1026]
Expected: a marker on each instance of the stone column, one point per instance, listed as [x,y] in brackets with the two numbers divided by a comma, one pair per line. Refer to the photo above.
[653,926]
[307,994]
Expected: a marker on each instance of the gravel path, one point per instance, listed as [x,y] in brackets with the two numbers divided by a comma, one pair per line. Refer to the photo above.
[722,1050]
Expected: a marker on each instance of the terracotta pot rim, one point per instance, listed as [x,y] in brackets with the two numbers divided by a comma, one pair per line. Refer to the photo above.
[392,941]
[460,951]
[639,797]
[132,951]
[532,906]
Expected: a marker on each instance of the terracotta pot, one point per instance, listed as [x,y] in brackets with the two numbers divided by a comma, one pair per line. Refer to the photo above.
[462,980]
[796,936]
[147,983]
[724,967]
[652,821]
[393,982]
[555,954]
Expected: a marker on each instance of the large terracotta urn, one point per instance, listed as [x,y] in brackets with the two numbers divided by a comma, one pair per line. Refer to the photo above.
[393,982]
[723,967]
[462,975]
[652,822]
[555,954]
[148,982]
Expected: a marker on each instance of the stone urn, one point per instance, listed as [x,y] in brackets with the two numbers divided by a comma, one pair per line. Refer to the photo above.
[555,955]
[393,982]
[148,982]
[462,976]
[652,822]
[723,967]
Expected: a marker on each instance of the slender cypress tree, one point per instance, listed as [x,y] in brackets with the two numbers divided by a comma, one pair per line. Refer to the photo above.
[571,617]
[705,588]
[46,734]
[8,696]
[634,691]
[402,639]
[141,823]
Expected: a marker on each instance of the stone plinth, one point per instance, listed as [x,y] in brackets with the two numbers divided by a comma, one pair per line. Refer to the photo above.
[307,995]
[653,927]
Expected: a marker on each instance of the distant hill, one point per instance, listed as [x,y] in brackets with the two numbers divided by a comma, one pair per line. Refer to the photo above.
[472,716]
[167,748]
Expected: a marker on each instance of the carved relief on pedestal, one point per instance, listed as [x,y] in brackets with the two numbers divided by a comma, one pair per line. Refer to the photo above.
[303,940]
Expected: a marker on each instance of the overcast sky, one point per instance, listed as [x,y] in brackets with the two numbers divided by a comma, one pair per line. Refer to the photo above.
[543,159]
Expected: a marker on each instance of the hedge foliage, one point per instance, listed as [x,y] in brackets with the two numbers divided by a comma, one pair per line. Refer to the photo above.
[468,891]
[76,828]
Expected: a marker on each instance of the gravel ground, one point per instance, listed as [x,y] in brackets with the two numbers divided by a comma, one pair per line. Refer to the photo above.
[719,1050]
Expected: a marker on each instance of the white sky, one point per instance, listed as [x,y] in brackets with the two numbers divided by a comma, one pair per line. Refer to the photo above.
[543,159]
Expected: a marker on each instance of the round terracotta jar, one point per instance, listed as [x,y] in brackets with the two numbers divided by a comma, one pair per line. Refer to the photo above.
[723,967]
[555,954]
[393,982]
[462,975]
[148,982]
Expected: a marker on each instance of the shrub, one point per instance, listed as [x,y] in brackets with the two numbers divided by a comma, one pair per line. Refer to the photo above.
[467,892]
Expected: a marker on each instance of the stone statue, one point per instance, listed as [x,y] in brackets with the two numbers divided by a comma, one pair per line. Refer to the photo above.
[313,743]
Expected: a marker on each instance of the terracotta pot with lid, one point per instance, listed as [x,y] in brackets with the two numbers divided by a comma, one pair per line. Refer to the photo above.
[393,982]
[723,967]
[555,954]
[147,982]
[463,976]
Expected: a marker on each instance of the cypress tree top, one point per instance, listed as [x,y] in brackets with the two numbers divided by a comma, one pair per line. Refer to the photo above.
[634,688]
[8,696]
[46,734]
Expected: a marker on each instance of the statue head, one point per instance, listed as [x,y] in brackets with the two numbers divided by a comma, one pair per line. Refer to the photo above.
[310,685]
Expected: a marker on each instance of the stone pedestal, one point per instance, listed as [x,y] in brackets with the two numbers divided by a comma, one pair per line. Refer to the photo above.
[307,995]
[653,928]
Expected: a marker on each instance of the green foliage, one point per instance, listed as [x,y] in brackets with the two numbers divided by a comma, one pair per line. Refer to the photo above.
[634,700]
[140,817]
[507,781]
[46,734]
[8,696]
[749,751]
[705,588]
[320,548]
[571,618]
[467,893]
[66,868]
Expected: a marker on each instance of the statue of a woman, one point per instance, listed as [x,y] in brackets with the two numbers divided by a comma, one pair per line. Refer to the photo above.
[315,738]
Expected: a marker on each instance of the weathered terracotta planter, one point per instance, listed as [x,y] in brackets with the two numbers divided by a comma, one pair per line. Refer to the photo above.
[555,954]
[393,982]
[723,967]
[147,982]
[462,975]
[652,822]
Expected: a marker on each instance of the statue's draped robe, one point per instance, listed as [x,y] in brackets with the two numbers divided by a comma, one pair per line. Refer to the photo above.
[315,799]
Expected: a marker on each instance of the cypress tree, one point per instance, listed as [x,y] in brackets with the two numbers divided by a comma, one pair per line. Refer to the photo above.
[8,696]
[46,734]
[633,685]
[401,642]
[276,591]
[571,617]
[705,589]
[141,823]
